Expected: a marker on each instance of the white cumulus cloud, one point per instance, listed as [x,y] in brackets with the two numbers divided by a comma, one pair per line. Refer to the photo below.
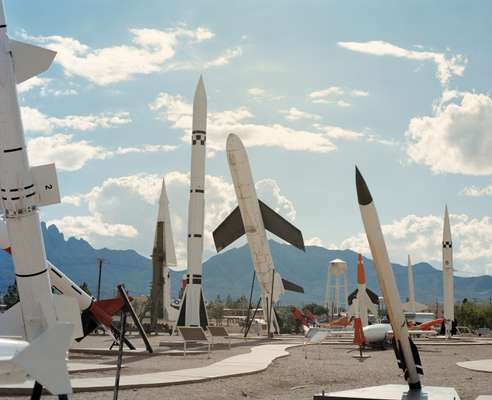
[421,237]
[150,51]
[71,155]
[294,114]
[112,206]
[456,137]
[447,65]
[36,121]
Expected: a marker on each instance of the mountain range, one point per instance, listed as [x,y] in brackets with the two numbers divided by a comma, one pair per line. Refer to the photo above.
[230,273]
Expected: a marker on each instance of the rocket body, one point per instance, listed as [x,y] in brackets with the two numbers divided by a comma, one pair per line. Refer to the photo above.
[163,256]
[22,190]
[19,201]
[447,274]
[360,308]
[252,218]
[193,312]
[406,352]
[261,255]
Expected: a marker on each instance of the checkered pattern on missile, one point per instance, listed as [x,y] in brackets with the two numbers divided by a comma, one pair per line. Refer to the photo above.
[197,136]
[447,245]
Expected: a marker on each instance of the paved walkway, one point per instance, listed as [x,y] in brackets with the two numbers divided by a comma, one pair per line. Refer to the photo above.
[477,365]
[258,359]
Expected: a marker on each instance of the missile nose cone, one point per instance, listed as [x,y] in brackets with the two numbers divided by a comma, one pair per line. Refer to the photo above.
[446,228]
[363,195]
[361,276]
[200,92]
[234,143]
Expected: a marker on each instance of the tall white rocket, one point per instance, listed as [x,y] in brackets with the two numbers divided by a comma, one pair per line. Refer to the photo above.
[411,289]
[22,190]
[193,311]
[447,274]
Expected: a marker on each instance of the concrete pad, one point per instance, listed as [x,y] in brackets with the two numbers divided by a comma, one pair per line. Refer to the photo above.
[477,365]
[258,359]
[392,392]
[74,367]
[158,351]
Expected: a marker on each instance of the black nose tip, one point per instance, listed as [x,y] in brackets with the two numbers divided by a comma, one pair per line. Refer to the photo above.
[363,195]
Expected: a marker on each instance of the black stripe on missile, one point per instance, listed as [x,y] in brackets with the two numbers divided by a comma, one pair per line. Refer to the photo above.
[30,194]
[31,275]
[13,190]
[4,198]
[12,150]
[15,198]
[197,235]
[196,281]
[53,286]
[3,190]
[77,290]
[3,26]
[197,191]
[202,132]
[196,276]
[28,187]
[56,273]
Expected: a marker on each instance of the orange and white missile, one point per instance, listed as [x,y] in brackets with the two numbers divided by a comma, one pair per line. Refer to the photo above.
[405,350]
[365,298]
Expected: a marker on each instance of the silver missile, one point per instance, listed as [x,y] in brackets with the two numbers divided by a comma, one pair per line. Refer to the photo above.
[447,275]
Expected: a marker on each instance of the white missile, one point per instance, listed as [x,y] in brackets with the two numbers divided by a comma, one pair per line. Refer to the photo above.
[405,350]
[365,297]
[163,256]
[23,189]
[252,217]
[447,276]
[411,306]
[192,309]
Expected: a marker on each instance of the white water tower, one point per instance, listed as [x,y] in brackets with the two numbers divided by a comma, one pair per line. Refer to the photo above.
[337,271]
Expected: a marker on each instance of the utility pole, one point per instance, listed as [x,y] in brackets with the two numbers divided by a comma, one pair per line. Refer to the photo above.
[100,263]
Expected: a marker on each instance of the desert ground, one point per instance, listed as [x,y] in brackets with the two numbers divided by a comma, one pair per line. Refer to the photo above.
[328,367]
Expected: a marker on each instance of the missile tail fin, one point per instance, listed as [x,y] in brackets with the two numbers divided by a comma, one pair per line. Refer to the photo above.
[44,358]
[11,323]
[292,287]
[280,227]
[229,230]
[399,357]
[416,357]
[30,60]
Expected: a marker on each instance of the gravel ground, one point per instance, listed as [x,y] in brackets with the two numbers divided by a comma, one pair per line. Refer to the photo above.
[328,367]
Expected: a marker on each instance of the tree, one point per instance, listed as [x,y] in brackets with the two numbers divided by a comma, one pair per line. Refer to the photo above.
[216,311]
[12,296]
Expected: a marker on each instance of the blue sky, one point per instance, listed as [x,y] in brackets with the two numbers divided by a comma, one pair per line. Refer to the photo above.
[401,89]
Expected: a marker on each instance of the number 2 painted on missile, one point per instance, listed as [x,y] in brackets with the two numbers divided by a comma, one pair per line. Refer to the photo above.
[48,187]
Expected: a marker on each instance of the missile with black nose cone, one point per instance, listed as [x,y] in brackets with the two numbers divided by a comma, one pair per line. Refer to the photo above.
[405,350]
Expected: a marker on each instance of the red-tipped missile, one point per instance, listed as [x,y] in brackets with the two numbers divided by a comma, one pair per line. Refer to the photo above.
[365,298]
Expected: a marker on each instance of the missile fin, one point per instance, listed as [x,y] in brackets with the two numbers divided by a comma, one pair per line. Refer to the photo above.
[44,358]
[229,230]
[399,357]
[67,310]
[30,60]
[372,296]
[11,323]
[281,227]
[352,296]
[292,287]
[416,357]
[46,182]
